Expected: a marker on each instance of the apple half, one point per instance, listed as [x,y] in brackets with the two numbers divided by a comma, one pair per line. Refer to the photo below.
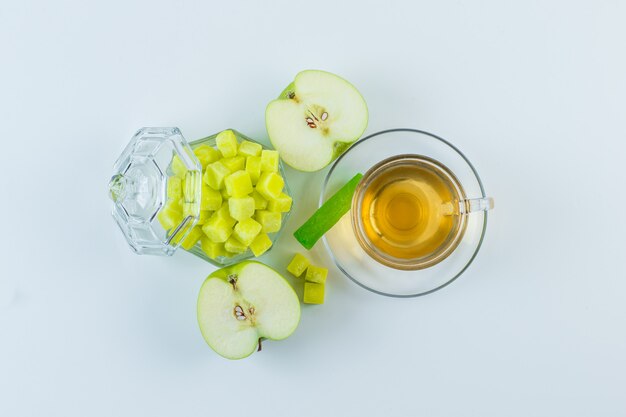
[241,305]
[315,119]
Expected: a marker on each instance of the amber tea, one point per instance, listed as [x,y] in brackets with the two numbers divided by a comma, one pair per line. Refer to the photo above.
[407,212]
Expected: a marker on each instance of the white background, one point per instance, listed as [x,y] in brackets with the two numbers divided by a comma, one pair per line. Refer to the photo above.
[534,92]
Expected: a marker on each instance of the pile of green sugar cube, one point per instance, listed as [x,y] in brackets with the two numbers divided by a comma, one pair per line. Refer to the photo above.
[314,278]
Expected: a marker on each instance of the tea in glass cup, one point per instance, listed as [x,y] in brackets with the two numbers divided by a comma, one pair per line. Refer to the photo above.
[408,212]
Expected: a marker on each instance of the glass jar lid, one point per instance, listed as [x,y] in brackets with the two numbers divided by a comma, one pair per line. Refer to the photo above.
[139,190]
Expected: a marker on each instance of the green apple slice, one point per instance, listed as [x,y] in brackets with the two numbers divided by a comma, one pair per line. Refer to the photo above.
[315,119]
[327,215]
[240,305]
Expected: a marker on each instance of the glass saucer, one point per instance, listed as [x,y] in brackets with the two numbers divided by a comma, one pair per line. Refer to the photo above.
[342,243]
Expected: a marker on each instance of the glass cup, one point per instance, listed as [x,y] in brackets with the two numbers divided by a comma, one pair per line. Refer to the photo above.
[354,251]
[410,212]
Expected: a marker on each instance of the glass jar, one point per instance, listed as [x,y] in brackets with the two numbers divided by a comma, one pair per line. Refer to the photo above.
[139,191]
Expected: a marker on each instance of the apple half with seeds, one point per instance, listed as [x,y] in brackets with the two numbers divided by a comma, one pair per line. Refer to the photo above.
[315,119]
[243,304]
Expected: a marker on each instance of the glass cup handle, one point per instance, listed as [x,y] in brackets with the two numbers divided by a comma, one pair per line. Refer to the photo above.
[472,205]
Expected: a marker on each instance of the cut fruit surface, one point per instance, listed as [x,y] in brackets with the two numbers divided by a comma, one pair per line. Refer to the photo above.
[316,118]
[328,214]
[239,305]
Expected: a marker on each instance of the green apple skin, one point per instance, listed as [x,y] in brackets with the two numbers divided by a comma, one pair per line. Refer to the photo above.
[341,143]
[223,278]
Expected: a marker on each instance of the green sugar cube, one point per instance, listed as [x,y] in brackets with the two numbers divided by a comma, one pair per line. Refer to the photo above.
[238,184]
[217,229]
[215,174]
[178,167]
[232,245]
[328,215]
[204,216]
[270,221]
[192,238]
[174,188]
[246,230]
[270,185]
[316,274]
[241,208]
[260,244]
[247,148]
[281,204]
[313,293]
[211,199]
[260,202]
[235,163]
[269,161]
[227,143]
[190,208]
[171,214]
[253,167]
[224,213]
[298,265]
[206,155]
[212,249]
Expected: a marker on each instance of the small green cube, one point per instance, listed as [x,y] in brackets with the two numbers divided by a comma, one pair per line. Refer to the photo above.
[178,167]
[206,155]
[171,214]
[174,188]
[238,184]
[234,246]
[204,216]
[247,148]
[236,163]
[190,208]
[269,161]
[211,199]
[269,220]
[224,213]
[227,143]
[260,244]
[241,208]
[316,274]
[215,174]
[298,265]
[246,230]
[212,249]
[192,238]
[217,228]
[253,167]
[260,202]
[270,185]
[281,204]
[313,293]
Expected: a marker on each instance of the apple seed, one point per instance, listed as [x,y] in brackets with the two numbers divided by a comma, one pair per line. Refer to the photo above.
[239,314]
